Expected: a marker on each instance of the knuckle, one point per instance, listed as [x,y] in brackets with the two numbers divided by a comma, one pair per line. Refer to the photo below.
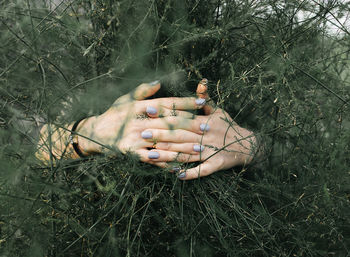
[167,146]
[195,125]
[169,102]
[156,134]
[173,100]
[165,112]
[184,136]
[164,146]
[161,135]
[180,137]
[171,122]
[150,102]
[139,107]
[202,171]
[183,157]
[220,162]
[196,173]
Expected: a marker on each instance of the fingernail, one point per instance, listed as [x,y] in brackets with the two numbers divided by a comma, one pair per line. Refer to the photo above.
[156,82]
[153,155]
[146,134]
[151,110]
[204,81]
[198,148]
[204,127]
[182,175]
[176,169]
[200,101]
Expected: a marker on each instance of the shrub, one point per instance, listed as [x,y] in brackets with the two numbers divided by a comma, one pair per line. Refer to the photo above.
[284,75]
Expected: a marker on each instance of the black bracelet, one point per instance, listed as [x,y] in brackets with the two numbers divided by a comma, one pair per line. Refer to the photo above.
[75,145]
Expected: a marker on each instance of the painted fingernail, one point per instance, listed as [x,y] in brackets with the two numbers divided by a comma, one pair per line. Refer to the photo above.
[204,127]
[153,155]
[182,175]
[198,148]
[204,81]
[151,110]
[176,169]
[200,101]
[146,134]
[154,83]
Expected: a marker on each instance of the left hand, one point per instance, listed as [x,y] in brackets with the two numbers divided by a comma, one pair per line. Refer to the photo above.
[221,142]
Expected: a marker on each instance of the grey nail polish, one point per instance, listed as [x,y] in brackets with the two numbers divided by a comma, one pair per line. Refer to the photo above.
[176,169]
[154,83]
[153,155]
[182,175]
[146,134]
[151,110]
[200,101]
[204,127]
[198,148]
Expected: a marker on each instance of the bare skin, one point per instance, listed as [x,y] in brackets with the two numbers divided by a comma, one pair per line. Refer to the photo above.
[120,127]
[224,143]
[213,139]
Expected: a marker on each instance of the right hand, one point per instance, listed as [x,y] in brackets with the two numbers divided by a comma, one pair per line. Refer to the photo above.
[121,126]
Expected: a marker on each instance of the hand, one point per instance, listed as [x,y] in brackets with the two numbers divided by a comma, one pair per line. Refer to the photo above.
[120,127]
[221,142]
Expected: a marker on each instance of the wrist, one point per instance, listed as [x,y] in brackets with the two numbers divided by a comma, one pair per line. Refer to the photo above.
[85,131]
[249,145]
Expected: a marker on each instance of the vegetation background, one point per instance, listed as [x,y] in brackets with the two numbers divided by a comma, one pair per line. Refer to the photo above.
[282,74]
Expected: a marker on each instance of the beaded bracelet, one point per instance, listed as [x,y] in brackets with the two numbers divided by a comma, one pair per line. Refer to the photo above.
[71,136]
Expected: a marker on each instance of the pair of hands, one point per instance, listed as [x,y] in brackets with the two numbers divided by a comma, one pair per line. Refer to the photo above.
[162,131]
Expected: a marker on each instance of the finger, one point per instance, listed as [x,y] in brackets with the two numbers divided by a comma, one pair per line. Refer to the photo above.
[188,148]
[201,170]
[166,156]
[202,92]
[141,92]
[175,136]
[155,112]
[175,122]
[159,164]
[146,90]
[176,103]
[128,146]
[202,89]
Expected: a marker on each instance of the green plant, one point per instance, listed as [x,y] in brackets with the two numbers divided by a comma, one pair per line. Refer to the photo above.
[284,77]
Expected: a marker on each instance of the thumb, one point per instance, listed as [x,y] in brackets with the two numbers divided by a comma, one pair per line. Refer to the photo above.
[202,170]
[145,90]
[140,93]
[202,92]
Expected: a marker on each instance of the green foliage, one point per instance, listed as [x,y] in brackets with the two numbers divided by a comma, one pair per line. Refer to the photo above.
[285,77]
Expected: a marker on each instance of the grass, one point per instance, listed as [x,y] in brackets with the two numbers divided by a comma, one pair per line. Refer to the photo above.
[286,80]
